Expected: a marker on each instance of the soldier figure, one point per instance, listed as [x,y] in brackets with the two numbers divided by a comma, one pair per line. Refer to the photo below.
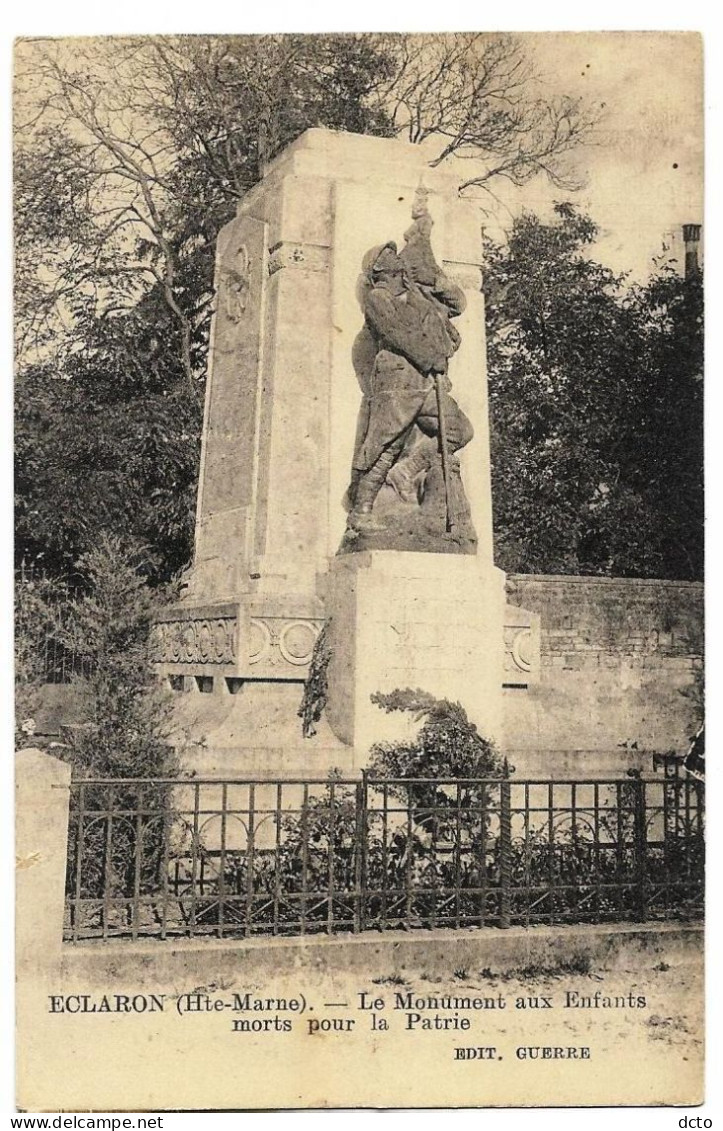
[407,340]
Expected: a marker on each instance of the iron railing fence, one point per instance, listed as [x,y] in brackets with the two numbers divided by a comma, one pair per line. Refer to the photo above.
[46,642]
[239,858]
[243,857]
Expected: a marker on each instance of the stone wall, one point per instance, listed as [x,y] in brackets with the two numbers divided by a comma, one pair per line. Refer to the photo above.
[620,668]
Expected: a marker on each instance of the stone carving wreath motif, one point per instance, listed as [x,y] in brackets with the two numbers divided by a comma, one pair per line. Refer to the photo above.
[291,640]
[521,650]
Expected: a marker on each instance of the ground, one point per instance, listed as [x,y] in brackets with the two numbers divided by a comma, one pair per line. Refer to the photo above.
[220,1043]
[672,1018]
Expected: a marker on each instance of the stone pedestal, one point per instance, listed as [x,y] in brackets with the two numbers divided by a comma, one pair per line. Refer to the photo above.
[428,621]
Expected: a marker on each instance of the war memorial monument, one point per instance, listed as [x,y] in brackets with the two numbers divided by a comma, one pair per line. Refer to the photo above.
[345,472]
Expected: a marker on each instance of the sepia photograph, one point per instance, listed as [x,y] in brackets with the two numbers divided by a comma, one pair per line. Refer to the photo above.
[359,555]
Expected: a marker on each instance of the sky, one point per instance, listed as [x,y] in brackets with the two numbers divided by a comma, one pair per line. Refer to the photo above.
[645,173]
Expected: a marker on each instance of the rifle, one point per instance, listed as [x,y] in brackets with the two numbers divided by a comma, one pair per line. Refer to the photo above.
[443,443]
[449,525]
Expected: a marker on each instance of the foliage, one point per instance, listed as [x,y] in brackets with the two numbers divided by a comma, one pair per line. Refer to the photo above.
[448,745]
[126,729]
[447,748]
[94,458]
[664,456]
[126,732]
[478,95]
[695,694]
[131,154]
[37,603]
[316,683]
[326,826]
[596,409]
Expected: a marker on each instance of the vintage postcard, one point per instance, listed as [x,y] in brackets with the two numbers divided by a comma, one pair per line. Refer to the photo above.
[359,571]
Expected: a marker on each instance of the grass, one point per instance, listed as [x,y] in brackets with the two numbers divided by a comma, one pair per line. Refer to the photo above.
[578,964]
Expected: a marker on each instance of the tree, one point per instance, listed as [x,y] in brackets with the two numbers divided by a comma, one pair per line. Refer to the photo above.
[90,127]
[38,610]
[126,731]
[125,734]
[479,95]
[665,454]
[97,457]
[587,382]
[131,153]
[150,143]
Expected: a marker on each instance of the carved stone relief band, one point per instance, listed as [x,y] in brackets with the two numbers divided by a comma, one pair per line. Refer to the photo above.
[522,646]
[210,640]
[271,645]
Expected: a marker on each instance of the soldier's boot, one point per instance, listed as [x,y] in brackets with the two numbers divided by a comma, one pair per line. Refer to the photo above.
[368,487]
[406,476]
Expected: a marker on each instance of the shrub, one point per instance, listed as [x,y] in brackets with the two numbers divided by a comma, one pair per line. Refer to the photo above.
[37,600]
[448,745]
[126,730]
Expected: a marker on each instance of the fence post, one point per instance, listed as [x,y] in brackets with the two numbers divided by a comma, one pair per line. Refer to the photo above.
[42,790]
[505,846]
[41,845]
[641,848]
[360,858]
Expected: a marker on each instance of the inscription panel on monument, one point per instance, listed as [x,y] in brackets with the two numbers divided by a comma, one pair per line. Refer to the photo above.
[232,400]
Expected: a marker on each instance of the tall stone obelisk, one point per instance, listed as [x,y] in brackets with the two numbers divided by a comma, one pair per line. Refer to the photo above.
[281,416]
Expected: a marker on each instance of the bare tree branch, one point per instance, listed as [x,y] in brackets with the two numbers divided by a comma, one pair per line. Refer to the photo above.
[481,98]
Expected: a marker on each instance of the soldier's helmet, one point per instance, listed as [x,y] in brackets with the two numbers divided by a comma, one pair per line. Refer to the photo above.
[381,259]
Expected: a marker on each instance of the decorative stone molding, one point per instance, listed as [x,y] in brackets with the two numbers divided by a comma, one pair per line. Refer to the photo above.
[206,640]
[269,644]
[522,646]
[275,642]
[310,257]
[521,650]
